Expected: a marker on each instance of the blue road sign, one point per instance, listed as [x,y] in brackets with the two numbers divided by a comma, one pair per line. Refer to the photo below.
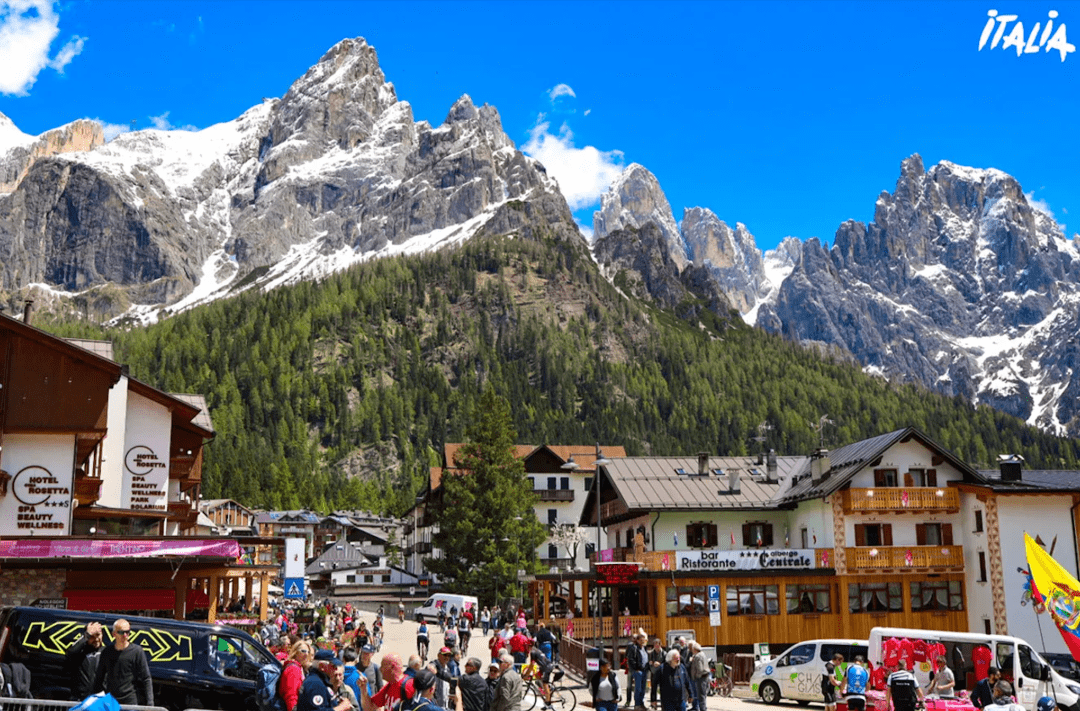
[294,588]
[714,592]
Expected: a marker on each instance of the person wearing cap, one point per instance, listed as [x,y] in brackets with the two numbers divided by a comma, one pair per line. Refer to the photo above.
[475,694]
[315,691]
[444,675]
[368,670]
[493,671]
[340,688]
[511,689]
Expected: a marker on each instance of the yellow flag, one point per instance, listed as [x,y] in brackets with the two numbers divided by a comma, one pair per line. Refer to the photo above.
[1058,590]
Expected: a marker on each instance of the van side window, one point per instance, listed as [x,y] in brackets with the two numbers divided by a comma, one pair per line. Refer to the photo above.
[236,658]
[1029,667]
[802,654]
[849,651]
[1004,654]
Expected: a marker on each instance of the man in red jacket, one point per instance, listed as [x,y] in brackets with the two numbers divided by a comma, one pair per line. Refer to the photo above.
[496,646]
[519,646]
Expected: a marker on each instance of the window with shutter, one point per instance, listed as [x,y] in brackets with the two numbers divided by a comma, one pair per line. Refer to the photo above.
[920,534]
[931,477]
[909,480]
[978,522]
[746,535]
[766,536]
[982,566]
[886,534]
[551,482]
[946,534]
[564,483]
[860,534]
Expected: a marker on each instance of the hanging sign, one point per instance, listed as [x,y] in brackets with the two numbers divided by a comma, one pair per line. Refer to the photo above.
[717,560]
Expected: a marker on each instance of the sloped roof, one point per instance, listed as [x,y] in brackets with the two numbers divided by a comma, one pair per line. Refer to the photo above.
[848,460]
[101,348]
[1033,480]
[584,456]
[653,483]
[339,555]
[302,516]
[198,402]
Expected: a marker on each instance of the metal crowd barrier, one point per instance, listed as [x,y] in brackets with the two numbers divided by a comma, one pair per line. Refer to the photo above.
[10,704]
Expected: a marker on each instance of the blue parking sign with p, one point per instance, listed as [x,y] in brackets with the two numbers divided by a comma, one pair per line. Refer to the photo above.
[714,592]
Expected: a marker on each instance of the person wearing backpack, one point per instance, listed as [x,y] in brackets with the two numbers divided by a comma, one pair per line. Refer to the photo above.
[296,667]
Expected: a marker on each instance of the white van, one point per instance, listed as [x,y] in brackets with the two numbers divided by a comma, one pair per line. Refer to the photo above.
[796,673]
[1031,676]
[445,601]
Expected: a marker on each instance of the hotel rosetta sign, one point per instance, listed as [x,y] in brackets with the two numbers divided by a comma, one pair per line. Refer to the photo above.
[43,500]
[149,476]
[715,561]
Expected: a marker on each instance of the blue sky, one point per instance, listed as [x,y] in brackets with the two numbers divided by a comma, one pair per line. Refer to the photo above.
[788,117]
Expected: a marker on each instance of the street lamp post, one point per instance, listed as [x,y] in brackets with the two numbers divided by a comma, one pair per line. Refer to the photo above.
[601,461]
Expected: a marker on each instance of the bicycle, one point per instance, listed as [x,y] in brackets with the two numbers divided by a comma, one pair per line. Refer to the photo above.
[721,686]
[562,697]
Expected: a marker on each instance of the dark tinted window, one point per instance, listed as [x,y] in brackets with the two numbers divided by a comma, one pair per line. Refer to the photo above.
[801,654]
[850,651]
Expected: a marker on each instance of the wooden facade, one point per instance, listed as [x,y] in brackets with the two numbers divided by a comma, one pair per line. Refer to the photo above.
[776,625]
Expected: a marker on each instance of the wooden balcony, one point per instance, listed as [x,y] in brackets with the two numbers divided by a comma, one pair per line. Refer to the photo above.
[896,500]
[183,513]
[899,559]
[554,494]
[87,489]
[668,560]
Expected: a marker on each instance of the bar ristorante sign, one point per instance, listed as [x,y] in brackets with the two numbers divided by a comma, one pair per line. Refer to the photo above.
[713,560]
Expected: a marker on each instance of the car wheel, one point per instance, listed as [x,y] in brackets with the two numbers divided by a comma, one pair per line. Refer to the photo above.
[770,692]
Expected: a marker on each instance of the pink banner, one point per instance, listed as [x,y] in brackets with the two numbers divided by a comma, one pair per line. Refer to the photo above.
[88,548]
[607,555]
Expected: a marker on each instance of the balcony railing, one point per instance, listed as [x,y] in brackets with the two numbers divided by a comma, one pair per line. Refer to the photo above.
[561,563]
[423,547]
[894,500]
[554,494]
[618,555]
[87,490]
[902,558]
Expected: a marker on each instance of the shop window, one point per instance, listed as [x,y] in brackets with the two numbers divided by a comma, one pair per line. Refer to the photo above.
[753,600]
[701,535]
[757,534]
[875,597]
[933,534]
[873,534]
[686,601]
[808,599]
[885,477]
[937,595]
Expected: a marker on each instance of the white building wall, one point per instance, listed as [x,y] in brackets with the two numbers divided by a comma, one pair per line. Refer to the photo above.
[569,512]
[674,523]
[147,439]
[904,456]
[1047,517]
[112,461]
[41,491]
[816,517]
[980,601]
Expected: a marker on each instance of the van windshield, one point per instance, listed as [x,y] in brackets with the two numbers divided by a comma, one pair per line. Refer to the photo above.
[429,603]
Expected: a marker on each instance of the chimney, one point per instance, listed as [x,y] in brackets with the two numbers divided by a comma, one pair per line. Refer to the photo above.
[760,458]
[703,463]
[28,311]
[1012,467]
[772,475]
[819,466]
[733,481]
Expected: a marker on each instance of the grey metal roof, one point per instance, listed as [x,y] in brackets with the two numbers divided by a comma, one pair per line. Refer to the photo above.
[101,348]
[653,483]
[1034,480]
[197,401]
[300,517]
[848,460]
[339,555]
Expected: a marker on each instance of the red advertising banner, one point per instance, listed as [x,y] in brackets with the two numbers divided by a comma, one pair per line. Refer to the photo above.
[82,548]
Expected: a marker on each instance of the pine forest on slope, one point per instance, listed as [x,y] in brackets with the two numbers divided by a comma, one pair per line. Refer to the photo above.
[341,393]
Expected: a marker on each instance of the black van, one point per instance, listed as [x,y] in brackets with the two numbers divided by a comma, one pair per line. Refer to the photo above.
[194,665]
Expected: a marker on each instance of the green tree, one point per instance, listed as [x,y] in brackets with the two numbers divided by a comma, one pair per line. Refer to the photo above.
[487,528]
[393,550]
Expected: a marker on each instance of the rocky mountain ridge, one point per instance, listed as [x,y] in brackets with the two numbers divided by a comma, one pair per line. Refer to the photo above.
[334,172]
[959,283]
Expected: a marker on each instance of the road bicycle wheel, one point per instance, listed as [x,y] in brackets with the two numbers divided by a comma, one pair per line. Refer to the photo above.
[531,697]
[563,699]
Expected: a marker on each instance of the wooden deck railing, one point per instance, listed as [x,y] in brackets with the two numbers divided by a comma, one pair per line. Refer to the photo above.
[585,627]
[904,558]
[895,499]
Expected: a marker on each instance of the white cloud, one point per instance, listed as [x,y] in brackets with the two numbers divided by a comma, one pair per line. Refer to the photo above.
[1039,204]
[561,90]
[112,130]
[27,31]
[588,111]
[162,123]
[583,173]
[586,231]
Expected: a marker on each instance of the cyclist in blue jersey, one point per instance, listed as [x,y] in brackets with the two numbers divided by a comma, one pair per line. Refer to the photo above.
[855,685]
